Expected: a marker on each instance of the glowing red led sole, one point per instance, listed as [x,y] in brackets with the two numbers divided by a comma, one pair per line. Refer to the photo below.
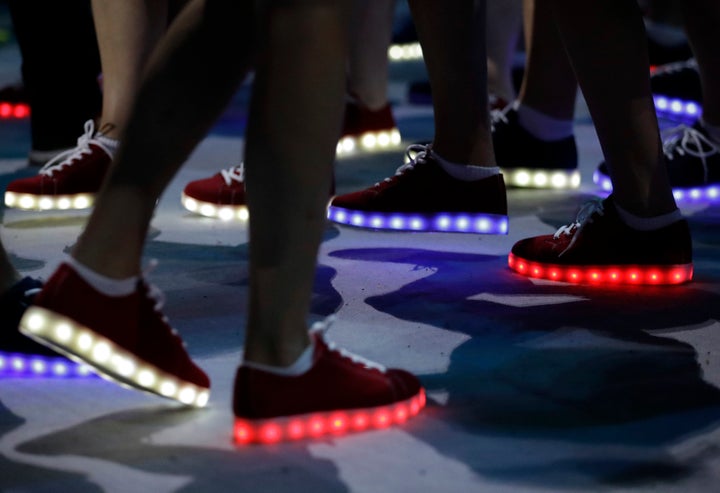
[316,425]
[603,274]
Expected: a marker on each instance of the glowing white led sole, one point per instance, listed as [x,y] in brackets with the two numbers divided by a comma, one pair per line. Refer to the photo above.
[404,52]
[541,178]
[217,211]
[28,201]
[369,142]
[106,358]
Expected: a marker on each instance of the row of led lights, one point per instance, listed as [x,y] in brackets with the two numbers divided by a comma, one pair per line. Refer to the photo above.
[483,223]
[321,424]
[61,202]
[14,364]
[223,212]
[710,193]
[104,354]
[14,110]
[679,107]
[521,177]
[405,52]
[603,275]
[369,141]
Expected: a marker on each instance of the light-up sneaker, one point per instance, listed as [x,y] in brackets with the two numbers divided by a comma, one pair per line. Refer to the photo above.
[421,196]
[529,162]
[221,196]
[598,248]
[68,181]
[693,163]
[342,393]
[20,356]
[125,339]
[366,130]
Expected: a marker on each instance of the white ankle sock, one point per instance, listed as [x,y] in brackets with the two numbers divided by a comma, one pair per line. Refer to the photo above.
[542,126]
[106,285]
[713,131]
[300,366]
[110,144]
[648,223]
[465,172]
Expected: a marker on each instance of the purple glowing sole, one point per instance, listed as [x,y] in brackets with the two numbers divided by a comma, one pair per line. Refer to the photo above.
[445,222]
[28,365]
[703,194]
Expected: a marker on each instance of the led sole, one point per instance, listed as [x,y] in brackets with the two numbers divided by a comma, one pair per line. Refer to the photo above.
[334,423]
[109,360]
[369,142]
[707,193]
[28,365]
[674,107]
[207,209]
[14,110]
[604,274]
[426,222]
[26,201]
[404,52]
[541,178]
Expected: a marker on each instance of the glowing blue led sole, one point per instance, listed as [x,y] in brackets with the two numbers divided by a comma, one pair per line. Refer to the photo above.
[28,365]
[447,222]
[677,108]
[708,193]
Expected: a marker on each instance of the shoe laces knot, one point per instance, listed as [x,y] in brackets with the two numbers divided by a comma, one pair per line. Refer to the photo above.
[499,116]
[236,173]
[682,140]
[71,155]
[583,218]
[321,328]
[415,153]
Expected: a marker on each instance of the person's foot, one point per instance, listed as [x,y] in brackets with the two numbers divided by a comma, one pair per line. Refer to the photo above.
[68,181]
[599,248]
[366,130]
[422,196]
[221,195]
[126,338]
[14,102]
[20,356]
[341,393]
[529,162]
[693,161]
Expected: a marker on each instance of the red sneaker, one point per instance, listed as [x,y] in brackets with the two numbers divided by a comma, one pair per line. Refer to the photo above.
[368,130]
[423,197]
[600,249]
[221,196]
[341,393]
[125,339]
[68,181]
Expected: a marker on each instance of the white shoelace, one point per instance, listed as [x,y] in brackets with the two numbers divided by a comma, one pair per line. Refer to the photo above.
[321,329]
[584,217]
[669,68]
[500,116]
[68,157]
[416,153]
[236,173]
[683,140]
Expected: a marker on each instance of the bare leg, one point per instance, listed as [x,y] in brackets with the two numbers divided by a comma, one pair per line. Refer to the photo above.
[127,33]
[165,127]
[503,32]
[607,46]
[702,18]
[452,35]
[371,32]
[549,84]
[294,123]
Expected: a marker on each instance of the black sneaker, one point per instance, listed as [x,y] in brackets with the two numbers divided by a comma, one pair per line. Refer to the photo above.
[599,248]
[20,356]
[693,161]
[527,161]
